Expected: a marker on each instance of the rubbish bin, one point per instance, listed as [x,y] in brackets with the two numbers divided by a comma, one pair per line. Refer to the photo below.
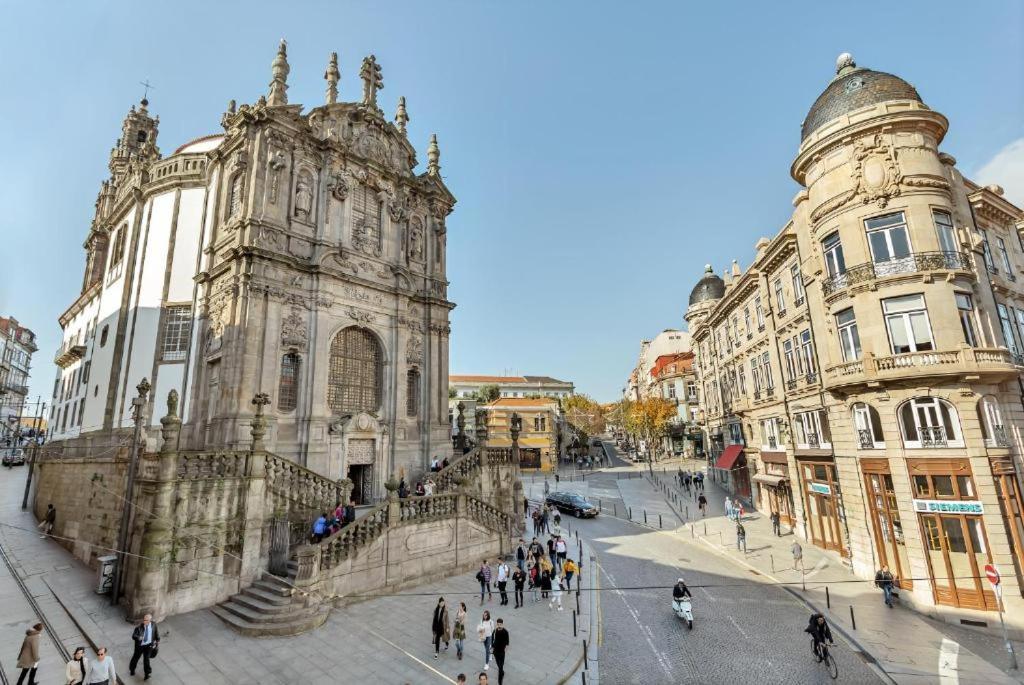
[106,578]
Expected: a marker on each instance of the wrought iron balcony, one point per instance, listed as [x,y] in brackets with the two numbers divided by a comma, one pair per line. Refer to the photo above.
[933,436]
[915,263]
[865,440]
[791,384]
[813,441]
[811,377]
[773,442]
[999,438]
[757,394]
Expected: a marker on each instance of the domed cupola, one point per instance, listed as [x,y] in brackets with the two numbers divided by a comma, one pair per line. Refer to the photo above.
[853,88]
[709,288]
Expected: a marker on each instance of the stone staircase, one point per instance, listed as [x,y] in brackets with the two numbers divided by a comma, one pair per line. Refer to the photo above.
[269,608]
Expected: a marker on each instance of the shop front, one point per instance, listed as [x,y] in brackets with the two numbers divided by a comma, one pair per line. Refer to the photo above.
[731,469]
[774,491]
[823,504]
[887,526]
[956,544]
[1008,493]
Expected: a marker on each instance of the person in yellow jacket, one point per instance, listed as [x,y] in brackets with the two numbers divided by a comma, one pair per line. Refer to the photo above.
[570,568]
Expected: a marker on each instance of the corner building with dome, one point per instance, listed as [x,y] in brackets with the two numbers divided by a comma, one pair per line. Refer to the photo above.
[296,254]
[863,376]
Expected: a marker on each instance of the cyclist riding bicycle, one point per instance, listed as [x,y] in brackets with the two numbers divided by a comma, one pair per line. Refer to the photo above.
[820,633]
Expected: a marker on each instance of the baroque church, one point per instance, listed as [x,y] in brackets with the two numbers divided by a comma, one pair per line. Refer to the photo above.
[298,257]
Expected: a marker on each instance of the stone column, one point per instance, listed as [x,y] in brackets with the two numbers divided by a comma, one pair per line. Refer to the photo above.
[150,589]
[254,512]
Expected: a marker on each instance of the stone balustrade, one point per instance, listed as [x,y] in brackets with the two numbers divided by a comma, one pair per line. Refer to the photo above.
[427,508]
[298,487]
[203,465]
[993,361]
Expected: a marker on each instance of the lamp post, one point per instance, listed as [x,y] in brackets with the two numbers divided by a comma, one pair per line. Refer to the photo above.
[138,416]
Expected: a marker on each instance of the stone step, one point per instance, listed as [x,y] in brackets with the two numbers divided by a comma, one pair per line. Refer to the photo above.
[296,611]
[268,597]
[273,587]
[260,604]
[292,626]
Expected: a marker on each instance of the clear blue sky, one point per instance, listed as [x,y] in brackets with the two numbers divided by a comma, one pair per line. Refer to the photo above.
[601,152]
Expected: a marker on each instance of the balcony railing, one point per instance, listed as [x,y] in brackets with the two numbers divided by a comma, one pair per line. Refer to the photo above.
[933,436]
[999,438]
[865,440]
[915,263]
[813,441]
[791,384]
[773,442]
[811,377]
[961,360]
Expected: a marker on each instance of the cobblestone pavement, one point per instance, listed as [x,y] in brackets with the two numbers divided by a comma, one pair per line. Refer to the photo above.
[744,629]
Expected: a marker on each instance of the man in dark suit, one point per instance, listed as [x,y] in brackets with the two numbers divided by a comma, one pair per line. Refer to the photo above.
[146,637]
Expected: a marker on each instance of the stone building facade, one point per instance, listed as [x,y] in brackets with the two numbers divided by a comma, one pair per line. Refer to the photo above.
[17,345]
[863,376]
[297,254]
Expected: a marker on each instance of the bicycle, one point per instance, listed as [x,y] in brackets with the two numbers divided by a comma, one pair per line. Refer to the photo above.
[820,650]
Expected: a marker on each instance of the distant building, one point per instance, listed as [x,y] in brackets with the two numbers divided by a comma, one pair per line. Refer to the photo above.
[511,386]
[676,381]
[17,344]
[539,438]
[640,383]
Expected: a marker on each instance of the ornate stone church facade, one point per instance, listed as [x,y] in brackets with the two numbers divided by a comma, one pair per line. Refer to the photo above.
[298,255]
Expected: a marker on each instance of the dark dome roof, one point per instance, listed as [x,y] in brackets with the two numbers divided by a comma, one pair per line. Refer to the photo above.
[710,287]
[852,88]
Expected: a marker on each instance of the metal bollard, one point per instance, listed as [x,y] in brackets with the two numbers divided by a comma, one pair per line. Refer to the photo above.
[630,513]
[721,539]
[828,600]
[577,601]
[574,623]
[773,562]
[645,516]
[585,657]
[659,521]
[687,512]
[692,534]
[853,619]
[705,528]
[615,509]
[584,678]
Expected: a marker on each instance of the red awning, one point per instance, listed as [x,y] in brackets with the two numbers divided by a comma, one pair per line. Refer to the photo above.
[728,458]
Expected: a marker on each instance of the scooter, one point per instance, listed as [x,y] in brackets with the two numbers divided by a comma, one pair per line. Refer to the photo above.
[684,610]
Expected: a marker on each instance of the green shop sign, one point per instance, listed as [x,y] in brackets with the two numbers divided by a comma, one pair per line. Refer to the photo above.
[821,488]
[937,506]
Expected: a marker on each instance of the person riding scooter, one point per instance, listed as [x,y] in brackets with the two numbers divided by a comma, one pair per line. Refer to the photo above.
[680,590]
[682,602]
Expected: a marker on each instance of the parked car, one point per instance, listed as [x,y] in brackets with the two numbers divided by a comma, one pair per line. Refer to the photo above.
[13,457]
[571,503]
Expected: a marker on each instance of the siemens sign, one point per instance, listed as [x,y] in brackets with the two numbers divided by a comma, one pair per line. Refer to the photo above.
[938,506]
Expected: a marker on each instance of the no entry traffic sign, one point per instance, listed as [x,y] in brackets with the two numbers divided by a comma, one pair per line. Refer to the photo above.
[992,573]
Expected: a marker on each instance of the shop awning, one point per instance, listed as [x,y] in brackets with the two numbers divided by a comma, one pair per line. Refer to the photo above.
[728,458]
[769,480]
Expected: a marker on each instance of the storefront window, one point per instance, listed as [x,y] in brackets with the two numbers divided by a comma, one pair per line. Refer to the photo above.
[1008,493]
[888,527]
[823,502]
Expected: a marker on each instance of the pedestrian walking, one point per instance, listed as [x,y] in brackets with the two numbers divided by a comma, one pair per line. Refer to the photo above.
[545,583]
[728,507]
[556,592]
[74,672]
[499,646]
[320,528]
[459,630]
[536,521]
[569,568]
[485,632]
[702,503]
[545,514]
[350,512]
[798,555]
[557,518]
[739,510]
[101,669]
[536,551]
[518,583]
[49,519]
[552,554]
[560,551]
[776,527]
[741,537]
[481,679]
[547,487]
[533,577]
[483,576]
[884,580]
[503,576]
[146,637]
[556,479]
[28,657]
[521,555]
[439,626]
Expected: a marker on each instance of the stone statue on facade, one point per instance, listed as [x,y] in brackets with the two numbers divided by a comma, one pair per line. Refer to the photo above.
[372,80]
[303,196]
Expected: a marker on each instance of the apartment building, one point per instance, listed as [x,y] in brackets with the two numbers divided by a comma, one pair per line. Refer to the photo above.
[862,377]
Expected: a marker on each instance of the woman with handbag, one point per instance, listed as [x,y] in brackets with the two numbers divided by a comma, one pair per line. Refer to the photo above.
[75,671]
[459,631]
[439,626]
[485,633]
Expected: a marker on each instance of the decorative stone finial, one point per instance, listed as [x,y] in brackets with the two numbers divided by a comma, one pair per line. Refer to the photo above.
[736,268]
[279,69]
[143,388]
[259,422]
[232,106]
[372,80]
[844,63]
[708,269]
[171,423]
[332,76]
[172,403]
[401,116]
[433,156]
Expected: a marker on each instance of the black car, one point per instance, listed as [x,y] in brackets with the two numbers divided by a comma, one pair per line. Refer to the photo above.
[571,503]
[13,457]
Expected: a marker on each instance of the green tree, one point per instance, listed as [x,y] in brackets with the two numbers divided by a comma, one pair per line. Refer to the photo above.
[488,393]
[452,393]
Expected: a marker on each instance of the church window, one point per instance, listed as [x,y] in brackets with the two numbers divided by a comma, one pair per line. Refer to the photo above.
[354,378]
[177,326]
[103,335]
[287,389]
[142,136]
[235,196]
[366,213]
[117,251]
[412,392]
